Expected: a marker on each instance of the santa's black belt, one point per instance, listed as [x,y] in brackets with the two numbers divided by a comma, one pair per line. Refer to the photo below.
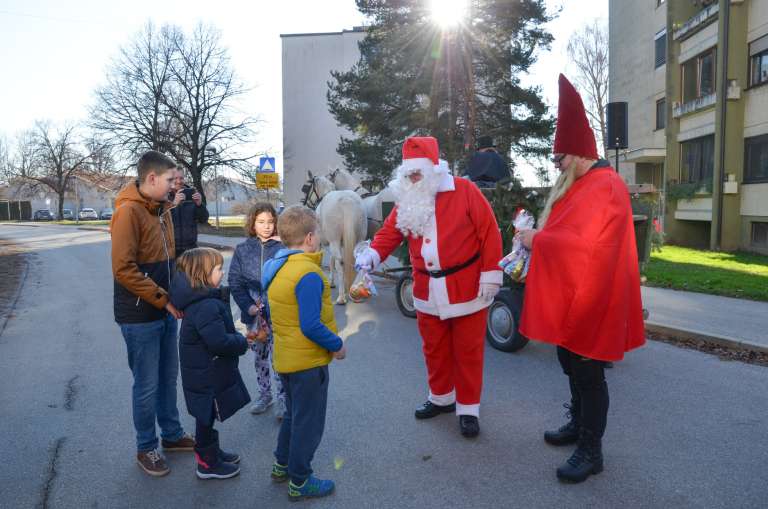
[450,270]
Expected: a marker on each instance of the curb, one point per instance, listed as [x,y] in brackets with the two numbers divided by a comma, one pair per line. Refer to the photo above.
[724,341]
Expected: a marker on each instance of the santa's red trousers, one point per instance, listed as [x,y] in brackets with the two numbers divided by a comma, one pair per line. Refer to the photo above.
[453,351]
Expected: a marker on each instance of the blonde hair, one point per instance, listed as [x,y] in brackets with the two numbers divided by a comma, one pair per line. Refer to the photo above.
[295,223]
[562,185]
[198,263]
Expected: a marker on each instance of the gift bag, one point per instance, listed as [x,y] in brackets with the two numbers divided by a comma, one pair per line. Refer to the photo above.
[259,329]
[516,263]
[362,288]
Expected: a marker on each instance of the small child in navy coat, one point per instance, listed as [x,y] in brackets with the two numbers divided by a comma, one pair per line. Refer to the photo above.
[209,348]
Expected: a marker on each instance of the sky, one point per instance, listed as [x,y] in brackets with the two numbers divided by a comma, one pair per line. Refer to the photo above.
[54,54]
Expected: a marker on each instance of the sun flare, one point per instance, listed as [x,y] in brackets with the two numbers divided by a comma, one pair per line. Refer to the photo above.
[448,13]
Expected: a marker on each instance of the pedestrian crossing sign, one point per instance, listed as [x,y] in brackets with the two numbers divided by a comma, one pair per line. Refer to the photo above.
[267,164]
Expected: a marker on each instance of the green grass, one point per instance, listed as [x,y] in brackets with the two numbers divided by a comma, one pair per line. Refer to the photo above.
[743,275]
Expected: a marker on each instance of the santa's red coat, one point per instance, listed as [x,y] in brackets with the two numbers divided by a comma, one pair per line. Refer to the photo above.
[582,291]
[462,226]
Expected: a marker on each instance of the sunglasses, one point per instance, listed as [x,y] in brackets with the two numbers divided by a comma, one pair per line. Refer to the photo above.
[558,159]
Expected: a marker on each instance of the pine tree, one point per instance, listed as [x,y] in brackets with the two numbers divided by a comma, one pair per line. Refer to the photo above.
[414,79]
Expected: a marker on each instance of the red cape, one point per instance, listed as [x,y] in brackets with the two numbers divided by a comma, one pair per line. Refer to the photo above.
[582,291]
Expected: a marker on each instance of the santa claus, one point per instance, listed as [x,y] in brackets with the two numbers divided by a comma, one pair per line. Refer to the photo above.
[583,288]
[454,245]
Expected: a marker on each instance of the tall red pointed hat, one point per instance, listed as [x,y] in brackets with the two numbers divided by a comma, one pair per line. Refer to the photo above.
[573,135]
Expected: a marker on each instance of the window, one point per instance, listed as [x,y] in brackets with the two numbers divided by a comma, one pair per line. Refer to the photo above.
[697,159]
[758,61]
[760,234]
[756,159]
[661,114]
[660,54]
[699,76]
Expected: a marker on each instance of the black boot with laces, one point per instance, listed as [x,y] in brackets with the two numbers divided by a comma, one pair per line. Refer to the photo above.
[568,433]
[586,460]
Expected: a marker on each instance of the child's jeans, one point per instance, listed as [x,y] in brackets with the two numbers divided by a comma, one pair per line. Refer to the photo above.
[266,377]
[306,397]
[153,356]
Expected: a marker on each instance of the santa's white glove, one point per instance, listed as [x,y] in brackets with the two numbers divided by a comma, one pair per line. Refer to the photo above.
[488,291]
[367,260]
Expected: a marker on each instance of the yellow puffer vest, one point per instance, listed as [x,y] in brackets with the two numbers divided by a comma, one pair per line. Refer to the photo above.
[293,351]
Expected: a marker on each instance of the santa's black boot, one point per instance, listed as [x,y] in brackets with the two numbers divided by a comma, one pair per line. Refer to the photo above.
[586,460]
[568,433]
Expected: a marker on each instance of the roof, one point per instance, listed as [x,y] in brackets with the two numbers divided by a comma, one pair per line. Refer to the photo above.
[358,29]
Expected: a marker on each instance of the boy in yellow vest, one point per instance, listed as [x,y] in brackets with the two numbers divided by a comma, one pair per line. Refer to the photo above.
[306,340]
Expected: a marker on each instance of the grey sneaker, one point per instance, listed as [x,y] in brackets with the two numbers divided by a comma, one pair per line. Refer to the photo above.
[262,405]
[280,409]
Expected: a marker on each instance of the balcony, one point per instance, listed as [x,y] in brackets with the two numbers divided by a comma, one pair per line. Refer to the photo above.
[698,104]
[704,17]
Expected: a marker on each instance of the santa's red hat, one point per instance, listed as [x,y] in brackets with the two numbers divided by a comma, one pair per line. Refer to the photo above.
[573,136]
[421,153]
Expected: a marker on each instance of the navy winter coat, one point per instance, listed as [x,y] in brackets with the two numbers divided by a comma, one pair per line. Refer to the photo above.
[186,215]
[245,271]
[209,348]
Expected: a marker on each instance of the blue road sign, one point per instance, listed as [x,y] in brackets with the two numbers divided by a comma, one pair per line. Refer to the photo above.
[267,164]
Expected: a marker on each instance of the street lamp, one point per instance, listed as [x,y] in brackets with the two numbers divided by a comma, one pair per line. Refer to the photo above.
[212,152]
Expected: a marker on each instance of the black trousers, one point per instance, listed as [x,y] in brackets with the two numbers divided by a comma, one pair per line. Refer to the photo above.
[205,435]
[589,391]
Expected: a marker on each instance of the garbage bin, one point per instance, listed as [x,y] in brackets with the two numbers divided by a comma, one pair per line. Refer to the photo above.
[642,238]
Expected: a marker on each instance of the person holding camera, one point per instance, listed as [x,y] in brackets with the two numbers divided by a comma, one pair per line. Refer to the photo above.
[188,210]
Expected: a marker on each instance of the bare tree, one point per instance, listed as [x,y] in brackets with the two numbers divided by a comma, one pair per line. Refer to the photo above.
[130,109]
[177,94]
[588,50]
[50,157]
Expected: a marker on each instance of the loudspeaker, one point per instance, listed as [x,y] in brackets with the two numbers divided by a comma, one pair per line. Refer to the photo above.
[617,125]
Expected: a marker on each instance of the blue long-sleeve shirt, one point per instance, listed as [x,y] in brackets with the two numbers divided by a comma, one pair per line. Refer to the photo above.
[309,294]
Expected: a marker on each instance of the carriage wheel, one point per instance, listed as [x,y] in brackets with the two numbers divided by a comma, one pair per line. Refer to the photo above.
[503,321]
[404,295]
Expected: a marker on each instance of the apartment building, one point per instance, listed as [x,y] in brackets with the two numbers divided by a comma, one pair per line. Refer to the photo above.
[695,76]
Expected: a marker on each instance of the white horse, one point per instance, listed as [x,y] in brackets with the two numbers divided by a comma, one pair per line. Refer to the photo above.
[373,204]
[342,225]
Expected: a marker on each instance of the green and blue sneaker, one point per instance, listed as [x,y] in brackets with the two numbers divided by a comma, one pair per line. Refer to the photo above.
[279,472]
[312,488]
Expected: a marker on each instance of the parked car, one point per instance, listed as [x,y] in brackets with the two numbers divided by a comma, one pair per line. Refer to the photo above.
[106,214]
[86,214]
[67,214]
[43,215]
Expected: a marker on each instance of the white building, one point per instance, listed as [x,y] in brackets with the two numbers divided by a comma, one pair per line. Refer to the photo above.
[310,133]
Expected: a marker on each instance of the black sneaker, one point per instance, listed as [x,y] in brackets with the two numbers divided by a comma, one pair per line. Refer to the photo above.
[429,410]
[469,425]
[229,457]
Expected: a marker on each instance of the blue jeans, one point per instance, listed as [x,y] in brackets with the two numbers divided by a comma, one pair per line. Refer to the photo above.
[153,356]
[306,398]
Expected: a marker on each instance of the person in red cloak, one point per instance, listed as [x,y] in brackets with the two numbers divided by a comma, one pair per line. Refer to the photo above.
[454,245]
[583,287]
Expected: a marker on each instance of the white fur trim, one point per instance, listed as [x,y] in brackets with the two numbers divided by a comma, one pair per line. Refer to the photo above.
[468,409]
[430,307]
[492,276]
[446,183]
[443,399]
[442,167]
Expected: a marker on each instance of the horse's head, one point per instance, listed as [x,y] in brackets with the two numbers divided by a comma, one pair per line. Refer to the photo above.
[315,188]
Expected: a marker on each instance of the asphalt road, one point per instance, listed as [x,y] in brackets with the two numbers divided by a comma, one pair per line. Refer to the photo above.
[685,429]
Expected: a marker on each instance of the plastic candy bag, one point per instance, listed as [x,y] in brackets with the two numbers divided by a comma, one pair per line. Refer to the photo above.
[259,329]
[516,263]
[362,288]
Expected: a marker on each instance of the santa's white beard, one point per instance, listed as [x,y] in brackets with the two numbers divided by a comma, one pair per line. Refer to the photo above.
[415,202]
